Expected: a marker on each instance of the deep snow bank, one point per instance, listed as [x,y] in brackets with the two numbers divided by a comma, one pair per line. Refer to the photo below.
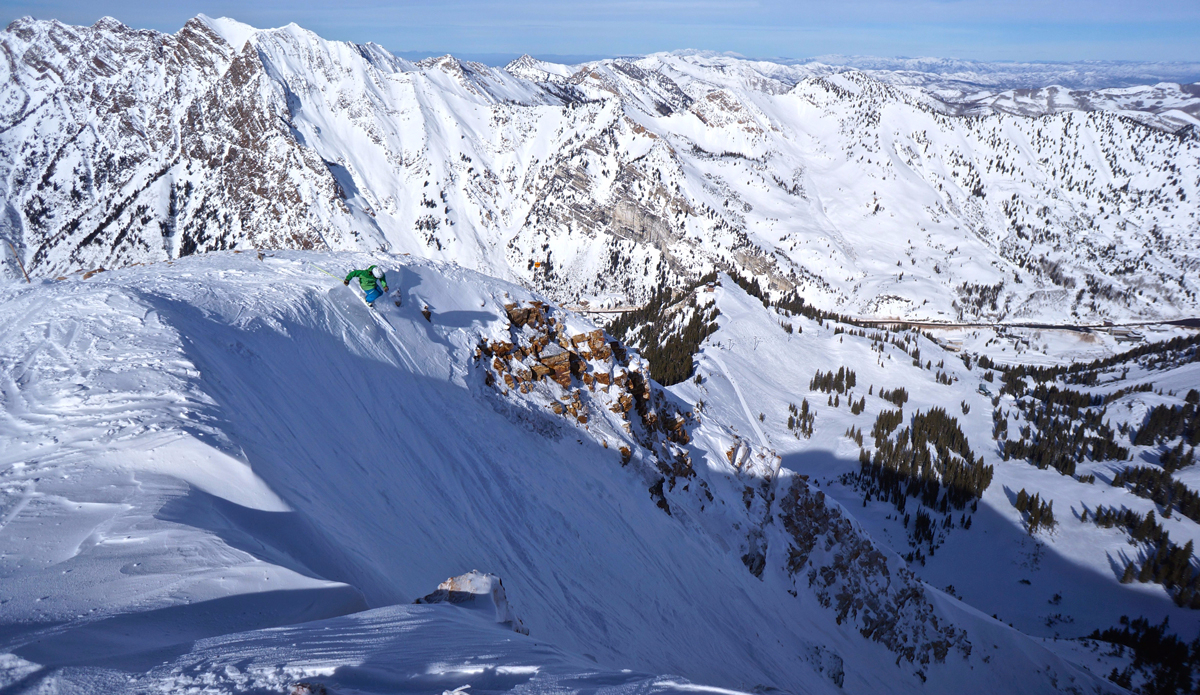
[226,444]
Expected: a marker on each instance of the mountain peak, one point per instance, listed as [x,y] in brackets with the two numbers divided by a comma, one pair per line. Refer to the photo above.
[442,61]
[235,33]
[107,23]
[527,67]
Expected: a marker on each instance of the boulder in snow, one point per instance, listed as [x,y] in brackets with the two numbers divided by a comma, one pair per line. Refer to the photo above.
[481,592]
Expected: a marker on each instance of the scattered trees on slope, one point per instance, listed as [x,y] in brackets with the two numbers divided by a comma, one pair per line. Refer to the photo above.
[1063,427]
[1037,513]
[897,396]
[1164,562]
[1166,660]
[841,382]
[801,420]
[1166,423]
[930,461]
[1160,487]
[668,331]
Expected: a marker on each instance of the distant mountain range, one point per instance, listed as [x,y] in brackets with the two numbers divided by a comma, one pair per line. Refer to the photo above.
[1082,74]
[922,189]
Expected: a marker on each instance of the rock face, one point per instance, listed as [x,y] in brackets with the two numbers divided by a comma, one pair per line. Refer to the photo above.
[848,574]
[607,179]
[123,146]
[478,591]
[589,371]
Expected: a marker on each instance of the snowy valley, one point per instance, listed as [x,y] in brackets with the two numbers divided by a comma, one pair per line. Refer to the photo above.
[898,393]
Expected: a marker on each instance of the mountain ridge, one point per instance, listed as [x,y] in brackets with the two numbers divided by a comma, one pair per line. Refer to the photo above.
[611,178]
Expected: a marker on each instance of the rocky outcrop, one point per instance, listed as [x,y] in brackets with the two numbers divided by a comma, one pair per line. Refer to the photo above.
[852,577]
[151,147]
[582,375]
[478,591]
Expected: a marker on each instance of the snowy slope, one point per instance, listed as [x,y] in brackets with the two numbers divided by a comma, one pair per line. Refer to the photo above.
[199,453]
[605,179]
[752,366]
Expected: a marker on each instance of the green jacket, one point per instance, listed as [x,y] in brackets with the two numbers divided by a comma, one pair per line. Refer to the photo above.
[366,280]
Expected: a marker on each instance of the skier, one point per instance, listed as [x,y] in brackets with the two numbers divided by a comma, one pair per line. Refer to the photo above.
[371,280]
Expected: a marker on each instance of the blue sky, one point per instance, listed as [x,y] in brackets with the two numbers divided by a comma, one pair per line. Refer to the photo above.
[1045,30]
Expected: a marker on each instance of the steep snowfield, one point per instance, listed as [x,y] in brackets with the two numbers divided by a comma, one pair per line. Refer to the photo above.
[212,467]
[605,179]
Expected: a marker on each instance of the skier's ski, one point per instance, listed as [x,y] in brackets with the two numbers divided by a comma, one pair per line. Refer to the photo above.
[353,317]
[370,305]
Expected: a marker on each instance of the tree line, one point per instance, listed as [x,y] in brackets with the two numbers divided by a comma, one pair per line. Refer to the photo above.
[1176,351]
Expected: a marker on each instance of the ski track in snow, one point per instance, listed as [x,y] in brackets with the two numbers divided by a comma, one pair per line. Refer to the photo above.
[762,438]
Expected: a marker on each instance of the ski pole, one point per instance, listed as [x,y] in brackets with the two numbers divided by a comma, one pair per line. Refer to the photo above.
[324,271]
[19,263]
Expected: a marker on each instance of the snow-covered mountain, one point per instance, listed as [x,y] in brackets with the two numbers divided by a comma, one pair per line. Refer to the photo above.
[1163,95]
[221,472]
[601,181]
[1167,106]
[227,473]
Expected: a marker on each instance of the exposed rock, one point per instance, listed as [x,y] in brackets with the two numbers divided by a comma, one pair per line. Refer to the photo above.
[553,355]
[853,578]
[478,591]
[662,429]
[826,662]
